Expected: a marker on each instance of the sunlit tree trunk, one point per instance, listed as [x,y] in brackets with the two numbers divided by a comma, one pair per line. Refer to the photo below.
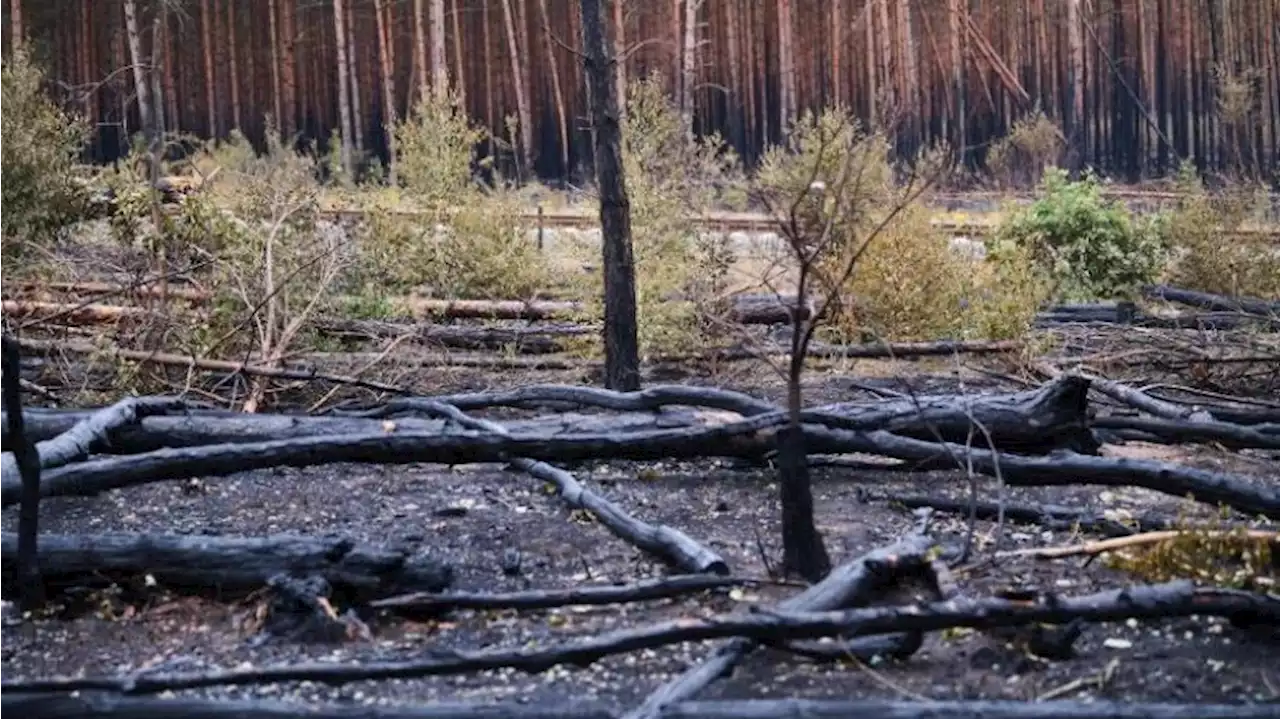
[439,70]
[523,116]
[420,66]
[786,67]
[689,63]
[357,108]
[619,54]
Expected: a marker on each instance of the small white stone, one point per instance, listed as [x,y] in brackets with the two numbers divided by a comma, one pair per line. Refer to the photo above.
[1117,643]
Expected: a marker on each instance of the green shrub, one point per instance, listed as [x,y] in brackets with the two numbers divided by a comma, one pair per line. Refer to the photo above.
[1207,256]
[1033,144]
[462,240]
[680,273]
[38,186]
[1090,247]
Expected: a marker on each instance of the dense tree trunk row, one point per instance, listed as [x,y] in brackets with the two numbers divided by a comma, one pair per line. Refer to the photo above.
[1134,85]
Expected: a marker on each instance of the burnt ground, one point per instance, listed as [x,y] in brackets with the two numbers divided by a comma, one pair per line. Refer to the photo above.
[732,508]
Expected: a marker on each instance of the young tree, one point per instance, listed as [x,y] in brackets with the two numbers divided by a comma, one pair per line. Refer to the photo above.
[621,345]
[833,193]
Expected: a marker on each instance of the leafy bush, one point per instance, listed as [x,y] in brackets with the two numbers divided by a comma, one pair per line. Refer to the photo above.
[670,177]
[464,240]
[1206,255]
[1033,144]
[1090,247]
[38,186]
[907,283]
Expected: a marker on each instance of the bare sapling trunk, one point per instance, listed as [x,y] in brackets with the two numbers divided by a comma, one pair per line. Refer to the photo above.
[621,345]
[31,590]
[825,228]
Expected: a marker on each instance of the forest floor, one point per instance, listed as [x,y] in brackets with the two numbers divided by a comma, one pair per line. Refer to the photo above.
[471,516]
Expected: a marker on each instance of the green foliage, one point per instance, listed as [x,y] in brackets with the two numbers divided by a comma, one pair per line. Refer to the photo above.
[1020,158]
[1206,255]
[463,241]
[1091,247]
[436,145]
[670,177]
[38,187]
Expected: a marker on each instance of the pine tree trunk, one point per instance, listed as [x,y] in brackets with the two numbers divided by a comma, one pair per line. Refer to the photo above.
[524,117]
[836,28]
[460,74]
[439,70]
[488,73]
[387,80]
[562,121]
[18,37]
[619,55]
[420,67]
[210,79]
[621,347]
[734,107]
[233,62]
[289,70]
[344,105]
[689,64]
[276,90]
[1075,80]
[958,31]
[786,67]
[357,108]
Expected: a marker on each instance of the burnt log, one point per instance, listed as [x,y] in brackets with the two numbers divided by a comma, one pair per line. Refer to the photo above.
[206,428]
[93,432]
[847,585]
[957,709]
[1209,301]
[537,339]
[114,706]
[1049,516]
[643,591]
[747,309]
[229,565]
[1174,431]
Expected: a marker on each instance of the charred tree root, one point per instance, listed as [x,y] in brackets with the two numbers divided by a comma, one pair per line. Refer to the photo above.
[230,565]
[1159,601]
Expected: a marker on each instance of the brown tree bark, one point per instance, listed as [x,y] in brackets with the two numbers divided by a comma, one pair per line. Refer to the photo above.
[523,116]
[619,54]
[420,67]
[621,346]
[439,69]
[344,106]
[357,107]
[210,78]
[18,36]
[786,67]
[289,103]
[232,60]
[1075,79]
[689,64]
[276,91]
[561,116]
[138,63]
[460,73]
[387,80]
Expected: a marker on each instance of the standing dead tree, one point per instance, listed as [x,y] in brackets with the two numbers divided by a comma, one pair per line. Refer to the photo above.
[621,343]
[28,462]
[832,198]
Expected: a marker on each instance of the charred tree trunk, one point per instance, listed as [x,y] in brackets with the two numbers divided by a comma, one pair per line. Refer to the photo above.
[30,587]
[562,120]
[277,91]
[621,346]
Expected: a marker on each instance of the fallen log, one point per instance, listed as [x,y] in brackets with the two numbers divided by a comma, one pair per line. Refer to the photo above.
[957,709]
[642,591]
[1209,301]
[92,432]
[71,314]
[1178,431]
[540,339]
[748,309]
[672,545]
[200,428]
[1049,516]
[229,565]
[1159,601]
[172,290]
[112,706]
[746,438]
[847,585]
